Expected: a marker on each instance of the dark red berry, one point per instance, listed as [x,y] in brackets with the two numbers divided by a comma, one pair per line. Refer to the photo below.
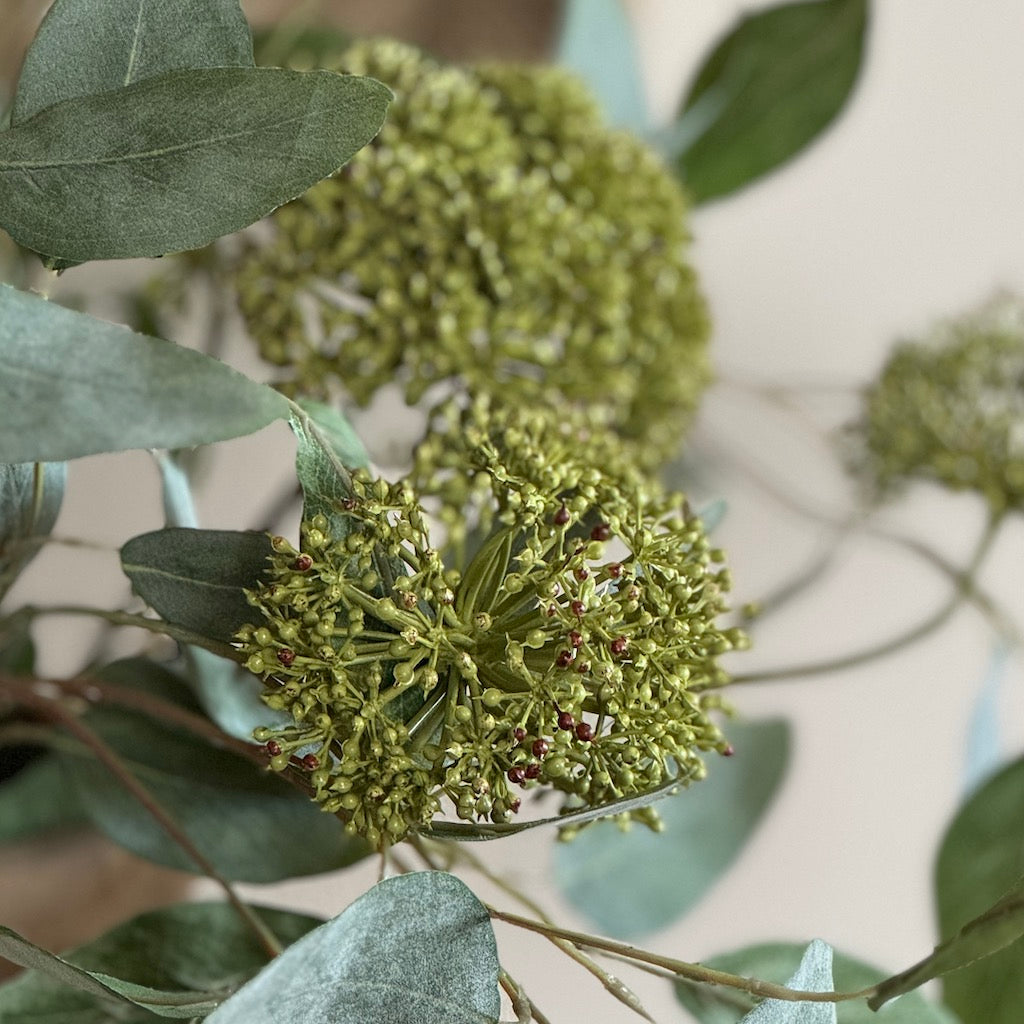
[286,656]
[348,504]
[575,638]
[728,750]
[311,762]
[273,748]
[583,667]
[619,645]
[519,734]
[584,732]
[303,562]
[601,532]
[581,573]
[564,659]
[561,517]
[539,748]
[517,774]
[577,608]
[551,610]
[565,720]
[514,805]
[615,570]
[533,770]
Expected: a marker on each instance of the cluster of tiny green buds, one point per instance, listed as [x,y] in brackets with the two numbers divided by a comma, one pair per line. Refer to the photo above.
[951,409]
[496,236]
[575,649]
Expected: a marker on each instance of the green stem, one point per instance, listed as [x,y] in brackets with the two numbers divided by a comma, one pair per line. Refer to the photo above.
[964,587]
[57,712]
[681,968]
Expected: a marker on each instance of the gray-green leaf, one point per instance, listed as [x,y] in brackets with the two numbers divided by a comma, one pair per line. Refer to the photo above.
[72,385]
[179,159]
[195,578]
[417,949]
[88,46]
[179,961]
[706,827]
[776,962]
[776,81]
[30,500]
[36,799]
[813,975]
[978,881]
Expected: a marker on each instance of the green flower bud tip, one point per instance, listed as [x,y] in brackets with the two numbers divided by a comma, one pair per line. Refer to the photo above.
[496,235]
[950,409]
[594,683]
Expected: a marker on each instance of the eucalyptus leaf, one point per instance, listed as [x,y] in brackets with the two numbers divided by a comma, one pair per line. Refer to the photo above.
[337,432]
[30,500]
[773,84]
[179,507]
[978,881]
[984,730]
[416,949]
[705,828]
[813,975]
[598,44]
[179,961]
[776,962]
[17,649]
[88,46]
[251,824]
[174,161]
[72,385]
[37,799]
[196,578]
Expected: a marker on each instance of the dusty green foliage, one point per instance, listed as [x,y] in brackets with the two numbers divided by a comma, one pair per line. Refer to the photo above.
[577,650]
[951,409]
[497,236]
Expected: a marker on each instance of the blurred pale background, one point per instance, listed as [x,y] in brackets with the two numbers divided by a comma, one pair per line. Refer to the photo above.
[909,209]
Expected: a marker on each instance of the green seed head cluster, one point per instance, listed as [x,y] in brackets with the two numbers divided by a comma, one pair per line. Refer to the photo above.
[577,650]
[951,409]
[497,236]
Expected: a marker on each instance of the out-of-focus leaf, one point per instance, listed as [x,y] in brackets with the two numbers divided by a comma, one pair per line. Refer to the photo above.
[983,744]
[72,385]
[980,895]
[773,84]
[179,508]
[176,160]
[196,578]
[38,798]
[776,962]
[30,500]
[178,961]
[597,43]
[416,949]
[89,46]
[706,827]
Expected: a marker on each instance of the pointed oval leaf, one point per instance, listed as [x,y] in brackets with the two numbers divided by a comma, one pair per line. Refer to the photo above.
[72,385]
[776,962]
[417,949]
[88,46]
[773,84]
[179,159]
[251,824]
[706,826]
[30,500]
[179,961]
[196,578]
[813,975]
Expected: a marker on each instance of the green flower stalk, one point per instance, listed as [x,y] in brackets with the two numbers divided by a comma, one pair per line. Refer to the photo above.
[497,237]
[577,650]
[951,409]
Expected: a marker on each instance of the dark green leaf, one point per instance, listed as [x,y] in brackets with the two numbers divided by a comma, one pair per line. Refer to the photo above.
[30,499]
[88,46]
[251,824]
[776,962]
[177,160]
[36,799]
[72,385]
[776,81]
[17,651]
[417,949]
[180,960]
[195,578]
[706,827]
[597,43]
[980,894]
